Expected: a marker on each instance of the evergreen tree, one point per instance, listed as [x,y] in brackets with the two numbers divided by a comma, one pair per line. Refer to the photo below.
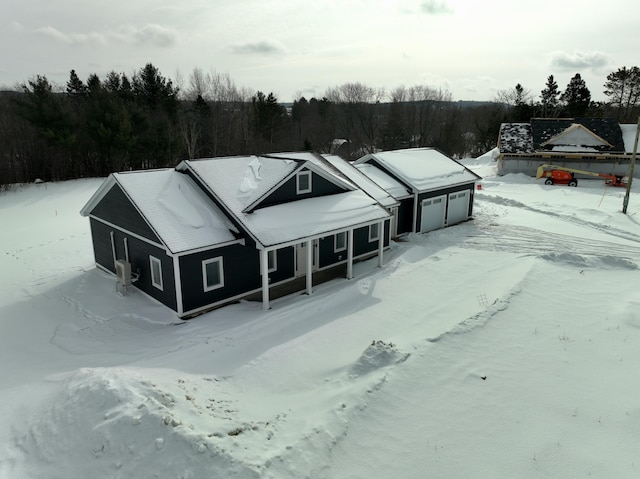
[550,98]
[576,97]
[154,89]
[47,112]
[75,85]
[268,116]
[93,83]
[623,89]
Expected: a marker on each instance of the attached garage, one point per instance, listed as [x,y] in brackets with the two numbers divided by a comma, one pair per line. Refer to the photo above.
[433,213]
[434,190]
[458,209]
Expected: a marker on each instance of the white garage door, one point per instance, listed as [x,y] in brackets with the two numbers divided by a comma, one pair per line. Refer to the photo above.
[458,207]
[432,214]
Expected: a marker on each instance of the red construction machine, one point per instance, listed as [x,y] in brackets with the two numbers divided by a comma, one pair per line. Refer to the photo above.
[566,176]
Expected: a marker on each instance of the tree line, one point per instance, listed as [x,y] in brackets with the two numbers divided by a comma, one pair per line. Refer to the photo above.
[100,125]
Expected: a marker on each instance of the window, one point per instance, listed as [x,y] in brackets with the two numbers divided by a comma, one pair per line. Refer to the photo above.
[340,243]
[212,274]
[374,232]
[272,261]
[156,272]
[303,182]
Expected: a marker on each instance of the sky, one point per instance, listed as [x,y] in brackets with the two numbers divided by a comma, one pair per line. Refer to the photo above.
[299,48]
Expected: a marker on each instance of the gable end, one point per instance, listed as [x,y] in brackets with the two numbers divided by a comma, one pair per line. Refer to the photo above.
[116,208]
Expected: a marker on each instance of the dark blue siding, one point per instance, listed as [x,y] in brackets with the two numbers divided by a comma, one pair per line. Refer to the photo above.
[139,253]
[405,216]
[287,191]
[116,208]
[241,267]
[285,265]
[327,255]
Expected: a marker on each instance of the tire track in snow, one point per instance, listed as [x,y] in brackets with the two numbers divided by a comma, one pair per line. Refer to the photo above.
[526,240]
[609,230]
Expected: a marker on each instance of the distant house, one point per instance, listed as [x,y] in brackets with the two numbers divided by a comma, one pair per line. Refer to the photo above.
[600,145]
[432,190]
[215,230]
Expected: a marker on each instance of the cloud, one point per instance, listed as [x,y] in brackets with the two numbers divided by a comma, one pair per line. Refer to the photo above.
[150,34]
[434,7]
[262,47]
[72,38]
[579,60]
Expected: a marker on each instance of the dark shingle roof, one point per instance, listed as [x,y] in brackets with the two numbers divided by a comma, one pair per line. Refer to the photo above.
[542,129]
[529,137]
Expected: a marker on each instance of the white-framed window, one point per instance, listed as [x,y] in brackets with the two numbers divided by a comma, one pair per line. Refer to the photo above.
[272,261]
[303,182]
[340,242]
[374,232]
[156,272]
[212,274]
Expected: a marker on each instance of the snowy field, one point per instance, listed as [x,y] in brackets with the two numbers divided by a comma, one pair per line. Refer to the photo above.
[505,347]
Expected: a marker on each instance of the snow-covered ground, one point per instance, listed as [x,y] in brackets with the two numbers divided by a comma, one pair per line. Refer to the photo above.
[504,347]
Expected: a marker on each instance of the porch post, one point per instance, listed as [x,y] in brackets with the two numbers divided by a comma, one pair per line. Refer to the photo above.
[350,254]
[380,243]
[309,266]
[414,229]
[264,271]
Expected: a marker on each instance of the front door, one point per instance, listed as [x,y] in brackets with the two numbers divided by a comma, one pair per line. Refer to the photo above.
[301,258]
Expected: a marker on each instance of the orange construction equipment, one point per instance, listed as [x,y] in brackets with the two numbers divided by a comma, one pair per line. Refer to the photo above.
[566,176]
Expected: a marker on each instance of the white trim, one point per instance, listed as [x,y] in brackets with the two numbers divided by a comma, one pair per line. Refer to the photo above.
[205,282]
[350,254]
[264,264]
[178,284]
[299,174]
[311,244]
[154,282]
[381,245]
[129,233]
[335,242]
[112,235]
[373,238]
[126,249]
[202,249]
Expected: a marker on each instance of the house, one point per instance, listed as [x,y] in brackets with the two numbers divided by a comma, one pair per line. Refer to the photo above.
[599,145]
[433,190]
[212,231]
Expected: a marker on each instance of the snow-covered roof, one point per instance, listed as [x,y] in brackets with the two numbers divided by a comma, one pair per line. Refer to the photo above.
[241,180]
[238,182]
[423,169]
[362,181]
[319,164]
[515,138]
[385,181]
[179,212]
[312,217]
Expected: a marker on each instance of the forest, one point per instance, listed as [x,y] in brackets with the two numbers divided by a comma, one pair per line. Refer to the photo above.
[92,127]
